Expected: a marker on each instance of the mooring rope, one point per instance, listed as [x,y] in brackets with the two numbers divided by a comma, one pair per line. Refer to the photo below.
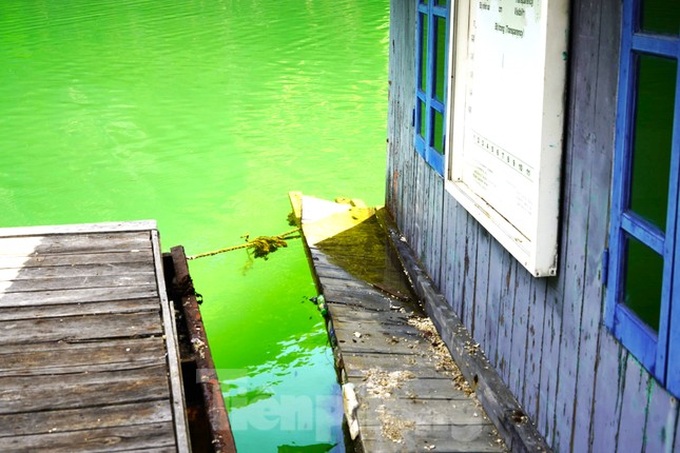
[262,245]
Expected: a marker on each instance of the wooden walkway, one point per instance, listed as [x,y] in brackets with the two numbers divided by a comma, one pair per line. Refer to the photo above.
[401,388]
[88,353]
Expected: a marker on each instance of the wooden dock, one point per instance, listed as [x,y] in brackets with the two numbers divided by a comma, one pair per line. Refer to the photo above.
[402,391]
[89,358]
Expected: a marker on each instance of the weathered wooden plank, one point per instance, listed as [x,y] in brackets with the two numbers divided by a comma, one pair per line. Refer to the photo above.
[57,421]
[435,221]
[574,243]
[493,302]
[447,276]
[367,298]
[143,280]
[71,296]
[402,102]
[607,403]
[446,438]
[413,390]
[383,342]
[531,400]
[75,328]
[357,363]
[661,417]
[469,275]
[459,225]
[20,394]
[506,316]
[108,227]
[75,244]
[93,356]
[85,259]
[80,309]
[520,326]
[458,412]
[600,156]
[85,269]
[156,436]
[633,408]
[551,350]
[169,327]
[480,297]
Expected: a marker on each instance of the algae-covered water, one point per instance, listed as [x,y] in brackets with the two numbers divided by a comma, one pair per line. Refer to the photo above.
[203,115]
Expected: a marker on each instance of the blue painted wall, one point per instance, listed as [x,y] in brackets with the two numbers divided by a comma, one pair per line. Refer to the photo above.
[545,336]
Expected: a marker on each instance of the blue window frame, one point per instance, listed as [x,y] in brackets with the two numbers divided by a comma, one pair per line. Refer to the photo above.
[431,83]
[643,296]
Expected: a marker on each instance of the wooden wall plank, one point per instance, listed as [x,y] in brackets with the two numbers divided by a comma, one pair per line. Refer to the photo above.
[661,418]
[531,398]
[634,401]
[494,301]
[505,319]
[520,330]
[480,297]
[609,382]
[469,275]
[549,365]
[460,223]
[451,280]
[401,101]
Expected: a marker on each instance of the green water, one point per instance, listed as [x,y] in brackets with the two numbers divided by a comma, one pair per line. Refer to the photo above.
[203,115]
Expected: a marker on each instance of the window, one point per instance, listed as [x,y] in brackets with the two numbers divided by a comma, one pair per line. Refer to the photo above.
[431,84]
[643,296]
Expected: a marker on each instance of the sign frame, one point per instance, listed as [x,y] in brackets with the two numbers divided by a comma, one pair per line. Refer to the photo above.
[508,68]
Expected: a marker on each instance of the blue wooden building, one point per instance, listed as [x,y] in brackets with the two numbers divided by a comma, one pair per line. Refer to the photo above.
[534,168]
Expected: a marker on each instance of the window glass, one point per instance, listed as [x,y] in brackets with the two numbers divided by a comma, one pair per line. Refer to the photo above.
[438,133]
[643,282]
[660,16]
[422,76]
[653,134]
[440,58]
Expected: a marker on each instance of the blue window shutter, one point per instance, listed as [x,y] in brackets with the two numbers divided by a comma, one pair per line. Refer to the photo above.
[658,351]
[427,104]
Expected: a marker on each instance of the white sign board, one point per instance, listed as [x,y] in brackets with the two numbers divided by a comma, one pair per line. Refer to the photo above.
[509,65]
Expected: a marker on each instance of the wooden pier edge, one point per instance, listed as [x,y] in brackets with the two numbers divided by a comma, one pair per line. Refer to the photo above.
[222,439]
[514,426]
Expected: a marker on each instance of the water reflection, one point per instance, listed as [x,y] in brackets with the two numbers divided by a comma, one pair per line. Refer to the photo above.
[275,397]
